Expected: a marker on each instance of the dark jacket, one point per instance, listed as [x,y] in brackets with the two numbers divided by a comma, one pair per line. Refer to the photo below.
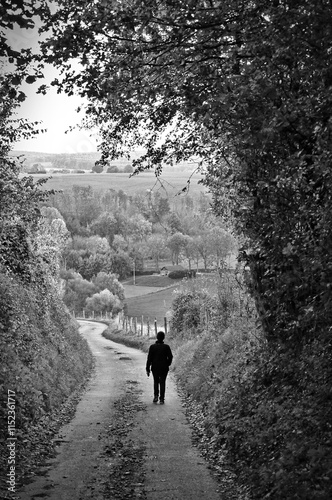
[159,358]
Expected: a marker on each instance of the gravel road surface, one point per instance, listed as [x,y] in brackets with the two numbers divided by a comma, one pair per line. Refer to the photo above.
[120,445]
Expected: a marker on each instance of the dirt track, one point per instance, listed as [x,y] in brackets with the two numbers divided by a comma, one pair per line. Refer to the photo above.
[119,444]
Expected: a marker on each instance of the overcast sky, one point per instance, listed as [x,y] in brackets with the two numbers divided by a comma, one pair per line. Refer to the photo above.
[55,111]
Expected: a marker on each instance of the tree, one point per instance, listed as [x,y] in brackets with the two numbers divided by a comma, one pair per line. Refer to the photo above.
[245,86]
[119,243]
[157,248]
[50,238]
[176,243]
[105,226]
[85,203]
[161,207]
[19,197]
[203,248]
[110,282]
[98,168]
[128,169]
[103,302]
[220,244]
[174,223]
[113,169]
[121,264]
[188,249]
[77,290]
[139,228]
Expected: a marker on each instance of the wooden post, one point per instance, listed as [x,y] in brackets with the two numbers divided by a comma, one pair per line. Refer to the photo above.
[135,325]
[142,322]
[148,325]
[155,326]
[165,325]
[83,313]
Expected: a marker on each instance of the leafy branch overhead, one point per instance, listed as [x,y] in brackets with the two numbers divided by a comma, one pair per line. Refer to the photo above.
[244,86]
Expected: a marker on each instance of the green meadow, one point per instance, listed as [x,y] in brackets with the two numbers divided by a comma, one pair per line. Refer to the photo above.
[171,182]
[152,305]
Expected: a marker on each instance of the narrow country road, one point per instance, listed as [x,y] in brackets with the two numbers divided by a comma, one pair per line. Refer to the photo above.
[120,445]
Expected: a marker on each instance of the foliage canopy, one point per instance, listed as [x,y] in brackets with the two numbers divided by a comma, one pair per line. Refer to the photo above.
[246,87]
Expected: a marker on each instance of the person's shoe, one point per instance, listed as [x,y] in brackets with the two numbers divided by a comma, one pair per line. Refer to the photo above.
[155,399]
[161,401]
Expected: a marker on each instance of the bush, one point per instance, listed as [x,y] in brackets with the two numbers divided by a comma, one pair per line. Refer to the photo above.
[113,169]
[275,422]
[178,274]
[128,169]
[97,168]
[43,358]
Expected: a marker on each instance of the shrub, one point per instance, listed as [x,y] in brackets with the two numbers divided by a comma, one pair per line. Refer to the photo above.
[178,274]
[113,169]
[43,358]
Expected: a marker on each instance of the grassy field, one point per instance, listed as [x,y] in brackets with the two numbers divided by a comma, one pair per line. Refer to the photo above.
[171,181]
[154,305]
[151,281]
[136,290]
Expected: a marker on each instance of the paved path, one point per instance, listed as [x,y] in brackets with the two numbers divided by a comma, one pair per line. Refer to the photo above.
[172,467]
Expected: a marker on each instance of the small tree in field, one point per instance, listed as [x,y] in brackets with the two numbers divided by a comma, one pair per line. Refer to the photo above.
[103,302]
[113,169]
[128,169]
[98,168]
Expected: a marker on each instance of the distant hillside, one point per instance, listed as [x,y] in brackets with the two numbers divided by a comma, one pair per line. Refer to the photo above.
[76,161]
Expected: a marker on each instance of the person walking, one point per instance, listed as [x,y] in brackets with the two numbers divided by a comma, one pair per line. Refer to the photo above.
[159,360]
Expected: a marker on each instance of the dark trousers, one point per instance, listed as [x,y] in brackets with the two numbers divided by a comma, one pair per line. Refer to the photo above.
[159,383]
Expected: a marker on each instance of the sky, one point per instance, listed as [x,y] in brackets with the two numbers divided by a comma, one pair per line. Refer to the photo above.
[55,111]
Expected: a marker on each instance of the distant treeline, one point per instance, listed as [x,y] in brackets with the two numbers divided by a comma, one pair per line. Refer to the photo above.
[35,162]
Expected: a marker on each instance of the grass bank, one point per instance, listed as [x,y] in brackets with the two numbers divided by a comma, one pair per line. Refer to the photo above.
[43,362]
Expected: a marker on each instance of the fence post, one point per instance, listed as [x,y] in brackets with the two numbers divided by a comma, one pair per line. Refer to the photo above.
[84,313]
[142,320]
[165,325]
[148,325]
[155,326]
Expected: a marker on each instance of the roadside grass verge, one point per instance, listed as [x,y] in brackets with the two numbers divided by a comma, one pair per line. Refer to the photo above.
[128,339]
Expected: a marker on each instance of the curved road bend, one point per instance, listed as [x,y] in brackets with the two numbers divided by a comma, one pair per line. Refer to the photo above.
[173,469]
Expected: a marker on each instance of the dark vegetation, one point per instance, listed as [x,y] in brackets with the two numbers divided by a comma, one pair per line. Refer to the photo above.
[43,359]
[262,414]
[244,88]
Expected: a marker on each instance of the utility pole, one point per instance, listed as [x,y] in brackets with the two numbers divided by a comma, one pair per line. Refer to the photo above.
[134,278]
